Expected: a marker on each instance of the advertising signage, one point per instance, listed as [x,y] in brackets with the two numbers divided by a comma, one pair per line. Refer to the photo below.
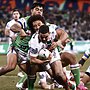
[81,5]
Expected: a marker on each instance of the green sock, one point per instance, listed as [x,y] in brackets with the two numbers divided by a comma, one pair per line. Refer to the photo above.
[30,81]
[76,73]
[22,79]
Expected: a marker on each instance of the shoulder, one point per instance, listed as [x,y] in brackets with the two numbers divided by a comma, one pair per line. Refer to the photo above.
[52,27]
[35,35]
[22,19]
[34,39]
[11,21]
[22,22]
[27,17]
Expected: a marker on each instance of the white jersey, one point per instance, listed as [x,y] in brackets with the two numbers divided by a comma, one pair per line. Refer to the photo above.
[45,77]
[35,45]
[23,23]
[8,26]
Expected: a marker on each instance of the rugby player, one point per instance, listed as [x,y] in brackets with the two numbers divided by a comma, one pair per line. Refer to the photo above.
[70,59]
[15,15]
[84,58]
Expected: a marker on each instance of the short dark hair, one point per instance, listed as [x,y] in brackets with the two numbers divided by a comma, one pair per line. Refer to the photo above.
[32,19]
[44,29]
[16,9]
[37,4]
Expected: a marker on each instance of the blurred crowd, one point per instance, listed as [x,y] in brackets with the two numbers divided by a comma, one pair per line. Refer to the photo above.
[75,23]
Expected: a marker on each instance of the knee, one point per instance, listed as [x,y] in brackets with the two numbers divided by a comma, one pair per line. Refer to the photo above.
[70,58]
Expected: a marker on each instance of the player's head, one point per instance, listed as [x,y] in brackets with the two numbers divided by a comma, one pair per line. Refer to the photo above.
[34,22]
[16,14]
[37,8]
[44,33]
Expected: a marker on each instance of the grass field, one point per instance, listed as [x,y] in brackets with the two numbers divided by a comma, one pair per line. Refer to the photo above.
[9,80]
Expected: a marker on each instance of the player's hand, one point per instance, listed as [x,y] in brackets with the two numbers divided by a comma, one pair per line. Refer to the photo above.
[50,57]
[65,42]
[62,47]
[53,46]
[22,33]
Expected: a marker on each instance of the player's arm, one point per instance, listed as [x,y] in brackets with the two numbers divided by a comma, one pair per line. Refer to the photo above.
[7,32]
[17,28]
[7,29]
[35,60]
[62,37]
[34,56]
[84,57]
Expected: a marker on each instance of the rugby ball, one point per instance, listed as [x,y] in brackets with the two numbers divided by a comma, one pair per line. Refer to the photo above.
[44,54]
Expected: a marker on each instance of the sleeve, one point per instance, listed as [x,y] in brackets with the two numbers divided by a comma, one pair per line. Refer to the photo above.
[22,22]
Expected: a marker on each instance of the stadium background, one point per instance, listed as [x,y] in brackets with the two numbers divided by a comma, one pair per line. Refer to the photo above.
[72,15]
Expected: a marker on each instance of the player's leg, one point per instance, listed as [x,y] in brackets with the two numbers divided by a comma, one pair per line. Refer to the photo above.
[20,73]
[68,58]
[11,63]
[59,74]
[22,66]
[21,81]
[86,76]
[31,76]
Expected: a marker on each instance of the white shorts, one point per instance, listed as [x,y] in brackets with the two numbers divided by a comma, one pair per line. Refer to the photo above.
[22,57]
[11,51]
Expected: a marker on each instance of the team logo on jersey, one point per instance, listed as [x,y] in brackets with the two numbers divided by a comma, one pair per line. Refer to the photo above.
[34,51]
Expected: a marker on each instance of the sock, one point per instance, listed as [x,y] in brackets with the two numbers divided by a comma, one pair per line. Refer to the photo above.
[22,79]
[30,81]
[86,54]
[76,72]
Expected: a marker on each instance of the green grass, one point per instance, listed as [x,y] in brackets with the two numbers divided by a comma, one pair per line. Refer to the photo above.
[9,80]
